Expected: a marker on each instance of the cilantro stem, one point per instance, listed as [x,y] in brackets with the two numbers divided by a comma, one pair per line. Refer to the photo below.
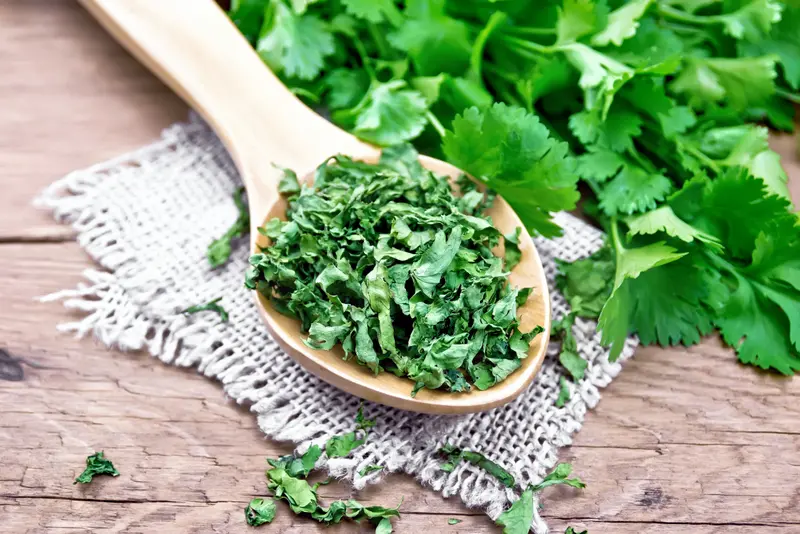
[677,14]
[618,248]
[437,125]
[501,73]
[305,93]
[529,30]
[365,59]
[791,97]
[641,160]
[380,40]
[708,162]
[528,45]
[476,58]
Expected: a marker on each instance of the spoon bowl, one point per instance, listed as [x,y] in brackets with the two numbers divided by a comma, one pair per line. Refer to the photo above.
[193,47]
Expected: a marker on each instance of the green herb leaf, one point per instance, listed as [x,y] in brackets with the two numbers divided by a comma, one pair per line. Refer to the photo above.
[295,44]
[511,151]
[455,455]
[454,521]
[741,82]
[372,468]
[220,249]
[622,23]
[209,306]
[571,530]
[563,393]
[260,512]
[96,464]
[518,518]
[559,475]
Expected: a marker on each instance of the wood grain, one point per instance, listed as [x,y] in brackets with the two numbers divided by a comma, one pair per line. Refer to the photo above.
[685,441]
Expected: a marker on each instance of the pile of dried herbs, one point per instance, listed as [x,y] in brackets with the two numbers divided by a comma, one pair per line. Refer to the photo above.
[385,260]
[287,480]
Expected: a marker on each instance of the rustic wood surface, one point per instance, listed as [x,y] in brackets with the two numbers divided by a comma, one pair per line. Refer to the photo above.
[685,441]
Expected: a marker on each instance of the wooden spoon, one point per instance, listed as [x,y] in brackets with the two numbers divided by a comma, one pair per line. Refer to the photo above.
[195,49]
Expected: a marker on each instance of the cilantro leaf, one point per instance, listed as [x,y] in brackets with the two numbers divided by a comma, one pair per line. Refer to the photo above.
[616,132]
[571,530]
[753,21]
[389,113]
[455,455]
[384,526]
[96,464]
[563,393]
[587,283]
[299,467]
[663,219]
[559,475]
[630,263]
[512,252]
[577,18]
[633,190]
[209,306]
[295,44]
[510,150]
[435,44]
[260,512]
[742,82]
[375,11]
[219,251]
[343,445]
[622,23]
[248,16]
[599,164]
[518,518]
[783,41]
[601,76]
[345,87]
[372,468]
[297,492]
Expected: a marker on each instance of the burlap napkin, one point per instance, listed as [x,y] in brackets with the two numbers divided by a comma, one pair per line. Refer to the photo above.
[147,218]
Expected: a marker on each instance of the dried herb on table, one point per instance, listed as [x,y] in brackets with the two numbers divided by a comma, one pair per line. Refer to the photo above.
[220,249]
[384,260]
[209,306]
[518,518]
[455,455]
[96,464]
[372,468]
[563,392]
[286,478]
[260,512]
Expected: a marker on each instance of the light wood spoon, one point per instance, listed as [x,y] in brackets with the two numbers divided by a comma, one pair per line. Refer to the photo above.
[195,49]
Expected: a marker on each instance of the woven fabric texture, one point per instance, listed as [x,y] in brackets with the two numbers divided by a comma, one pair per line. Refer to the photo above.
[147,217]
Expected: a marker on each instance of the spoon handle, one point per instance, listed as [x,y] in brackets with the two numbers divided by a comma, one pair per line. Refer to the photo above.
[197,51]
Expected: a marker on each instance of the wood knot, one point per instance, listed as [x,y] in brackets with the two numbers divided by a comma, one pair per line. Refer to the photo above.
[654,498]
[10,367]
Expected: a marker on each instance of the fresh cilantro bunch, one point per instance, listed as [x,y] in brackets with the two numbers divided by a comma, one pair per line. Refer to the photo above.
[658,107]
[384,260]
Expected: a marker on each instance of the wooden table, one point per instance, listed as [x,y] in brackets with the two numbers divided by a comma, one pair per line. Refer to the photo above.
[684,441]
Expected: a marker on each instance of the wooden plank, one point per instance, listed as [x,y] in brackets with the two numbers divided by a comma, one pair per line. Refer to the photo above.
[659,450]
[29,515]
[71,97]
